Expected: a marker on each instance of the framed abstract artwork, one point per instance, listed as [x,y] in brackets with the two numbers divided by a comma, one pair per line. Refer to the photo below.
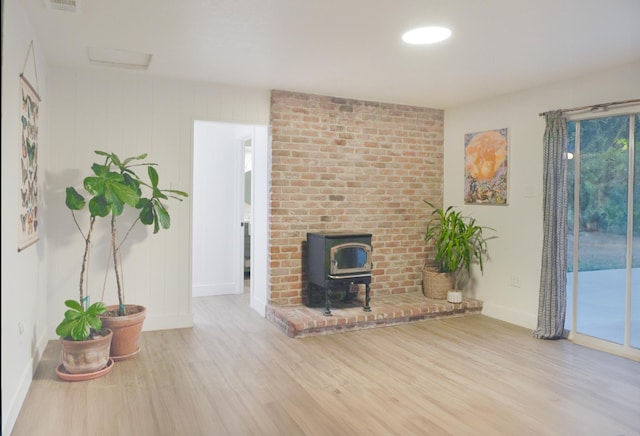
[486,165]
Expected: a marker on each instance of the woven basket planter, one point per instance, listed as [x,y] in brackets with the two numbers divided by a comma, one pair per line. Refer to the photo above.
[436,285]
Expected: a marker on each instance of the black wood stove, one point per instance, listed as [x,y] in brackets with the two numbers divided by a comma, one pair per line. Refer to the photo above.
[339,260]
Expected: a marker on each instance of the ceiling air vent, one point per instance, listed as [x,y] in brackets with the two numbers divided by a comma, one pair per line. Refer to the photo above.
[63,5]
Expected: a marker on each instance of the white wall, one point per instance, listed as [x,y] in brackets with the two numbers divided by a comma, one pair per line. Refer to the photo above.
[24,311]
[260,202]
[518,248]
[130,114]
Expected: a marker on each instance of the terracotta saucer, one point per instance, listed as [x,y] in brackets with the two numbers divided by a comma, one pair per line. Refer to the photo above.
[64,375]
[125,356]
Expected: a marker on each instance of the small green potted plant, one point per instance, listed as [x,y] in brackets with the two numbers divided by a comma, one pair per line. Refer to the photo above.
[85,343]
[112,187]
[459,242]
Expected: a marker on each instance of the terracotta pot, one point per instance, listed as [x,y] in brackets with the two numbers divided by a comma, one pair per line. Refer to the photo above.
[88,356]
[436,285]
[126,330]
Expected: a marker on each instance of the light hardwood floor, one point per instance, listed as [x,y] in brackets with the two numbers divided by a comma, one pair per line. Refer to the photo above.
[235,373]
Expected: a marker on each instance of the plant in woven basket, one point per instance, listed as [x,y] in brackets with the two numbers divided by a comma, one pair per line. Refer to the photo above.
[459,242]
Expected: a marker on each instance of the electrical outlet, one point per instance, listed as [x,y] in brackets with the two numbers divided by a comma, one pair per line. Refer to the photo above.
[515,280]
[20,332]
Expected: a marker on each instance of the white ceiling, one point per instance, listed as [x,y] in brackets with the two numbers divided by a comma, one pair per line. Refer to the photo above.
[353,48]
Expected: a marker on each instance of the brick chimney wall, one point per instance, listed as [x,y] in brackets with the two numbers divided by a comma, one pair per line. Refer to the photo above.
[344,164]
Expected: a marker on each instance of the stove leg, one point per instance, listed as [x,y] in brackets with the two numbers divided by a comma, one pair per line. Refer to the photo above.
[327,301]
[367,298]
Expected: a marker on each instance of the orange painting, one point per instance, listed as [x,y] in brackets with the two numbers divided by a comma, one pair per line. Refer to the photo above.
[485,169]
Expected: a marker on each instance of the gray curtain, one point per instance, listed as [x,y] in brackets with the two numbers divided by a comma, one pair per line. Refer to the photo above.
[553,278]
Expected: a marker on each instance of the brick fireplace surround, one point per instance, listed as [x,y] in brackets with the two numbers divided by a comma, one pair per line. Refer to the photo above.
[345,164]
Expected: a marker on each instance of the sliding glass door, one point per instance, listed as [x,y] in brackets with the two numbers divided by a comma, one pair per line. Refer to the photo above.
[633,299]
[604,231]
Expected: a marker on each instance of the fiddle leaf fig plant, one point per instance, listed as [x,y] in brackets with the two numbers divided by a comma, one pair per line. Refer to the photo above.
[112,186]
[78,324]
[459,241]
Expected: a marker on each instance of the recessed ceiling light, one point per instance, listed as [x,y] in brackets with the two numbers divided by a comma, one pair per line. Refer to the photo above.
[426,35]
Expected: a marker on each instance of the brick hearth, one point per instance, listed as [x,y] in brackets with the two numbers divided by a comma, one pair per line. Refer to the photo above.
[300,321]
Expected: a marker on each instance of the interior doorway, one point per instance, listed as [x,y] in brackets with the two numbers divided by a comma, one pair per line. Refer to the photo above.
[229,228]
